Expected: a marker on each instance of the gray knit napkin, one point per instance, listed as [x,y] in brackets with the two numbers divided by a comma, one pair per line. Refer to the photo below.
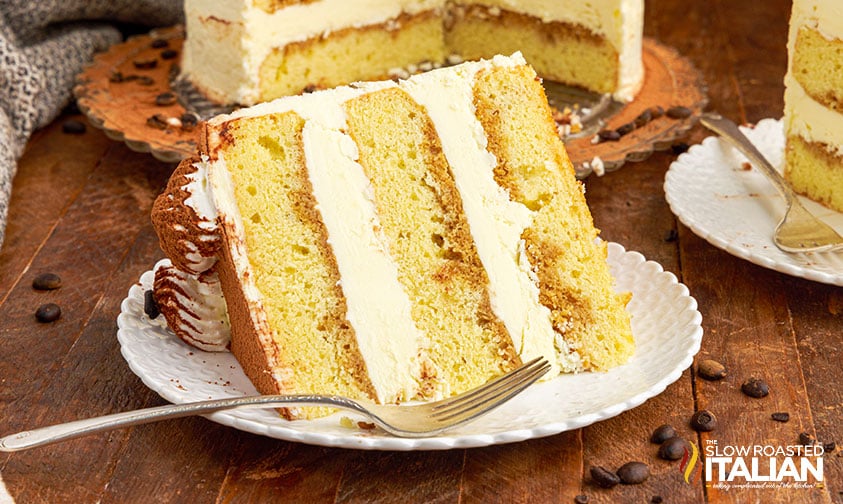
[43,45]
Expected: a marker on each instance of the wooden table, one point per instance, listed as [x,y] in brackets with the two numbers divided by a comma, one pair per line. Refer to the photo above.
[81,207]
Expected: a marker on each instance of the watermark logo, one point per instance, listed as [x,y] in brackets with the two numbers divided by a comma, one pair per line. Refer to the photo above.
[726,467]
[689,463]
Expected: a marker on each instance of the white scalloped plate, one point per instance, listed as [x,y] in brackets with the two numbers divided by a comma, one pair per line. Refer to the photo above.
[665,321]
[736,209]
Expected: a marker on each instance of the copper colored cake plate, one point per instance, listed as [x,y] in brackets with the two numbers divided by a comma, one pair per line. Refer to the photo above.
[132,92]
[670,81]
[128,93]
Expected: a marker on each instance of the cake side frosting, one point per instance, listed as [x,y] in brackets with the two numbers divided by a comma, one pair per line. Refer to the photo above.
[228,43]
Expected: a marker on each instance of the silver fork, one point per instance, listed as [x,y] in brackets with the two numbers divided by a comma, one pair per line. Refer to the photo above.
[799,230]
[420,420]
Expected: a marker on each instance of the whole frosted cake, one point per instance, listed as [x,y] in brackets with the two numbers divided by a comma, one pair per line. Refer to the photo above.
[393,240]
[248,51]
[813,115]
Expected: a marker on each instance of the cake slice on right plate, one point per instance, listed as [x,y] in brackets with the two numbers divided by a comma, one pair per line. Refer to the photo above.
[813,114]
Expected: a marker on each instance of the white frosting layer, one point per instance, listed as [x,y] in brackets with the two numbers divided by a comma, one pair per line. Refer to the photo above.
[495,221]
[620,21]
[245,35]
[379,308]
[803,115]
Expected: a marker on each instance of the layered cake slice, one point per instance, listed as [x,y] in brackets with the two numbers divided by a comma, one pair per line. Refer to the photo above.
[397,241]
[248,51]
[813,116]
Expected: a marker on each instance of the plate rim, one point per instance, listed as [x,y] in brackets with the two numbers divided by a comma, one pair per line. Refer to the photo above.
[796,265]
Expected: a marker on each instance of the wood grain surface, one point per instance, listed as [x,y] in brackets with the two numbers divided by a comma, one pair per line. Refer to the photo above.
[80,208]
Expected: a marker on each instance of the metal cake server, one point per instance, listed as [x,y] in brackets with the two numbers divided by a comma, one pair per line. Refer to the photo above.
[799,230]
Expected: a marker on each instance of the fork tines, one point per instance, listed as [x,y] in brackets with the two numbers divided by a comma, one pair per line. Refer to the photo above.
[498,390]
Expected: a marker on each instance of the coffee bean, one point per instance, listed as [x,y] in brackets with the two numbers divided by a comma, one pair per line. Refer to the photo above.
[169,54]
[679,112]
[656,111]
[755,387]
[625,129]
[150,306]
[780,416]
[643,118]
[159,44]
[657,499]
[165,99]
[73,127]
[662,434]
[157,121]
[189,120]
[46,281]
[633,473]
[806,439]
[673,448]
[145,63]
[604,478]
[608,136]
[49,312]
[711,370]
[679,148]
[581,499]
[829,447]
[703,421]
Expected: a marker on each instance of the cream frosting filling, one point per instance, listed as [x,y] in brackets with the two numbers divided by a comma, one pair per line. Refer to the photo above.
[621,22]
[495,221]
[811,120]
[387,336]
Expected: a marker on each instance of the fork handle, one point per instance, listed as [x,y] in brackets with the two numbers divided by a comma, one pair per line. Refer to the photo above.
[60,432]
[730,132]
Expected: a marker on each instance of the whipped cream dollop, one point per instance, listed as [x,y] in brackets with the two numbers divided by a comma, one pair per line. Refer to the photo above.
[193,306]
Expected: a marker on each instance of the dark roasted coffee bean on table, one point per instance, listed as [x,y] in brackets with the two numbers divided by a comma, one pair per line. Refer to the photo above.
[755,387]
[603,477]
[49,312]
[780,416]
[46,281]
[633,473]
[662,434]
[710,369]
[673,448]
[703,421]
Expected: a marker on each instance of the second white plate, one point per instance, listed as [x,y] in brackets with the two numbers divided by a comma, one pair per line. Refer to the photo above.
[665,323]
[712,191]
